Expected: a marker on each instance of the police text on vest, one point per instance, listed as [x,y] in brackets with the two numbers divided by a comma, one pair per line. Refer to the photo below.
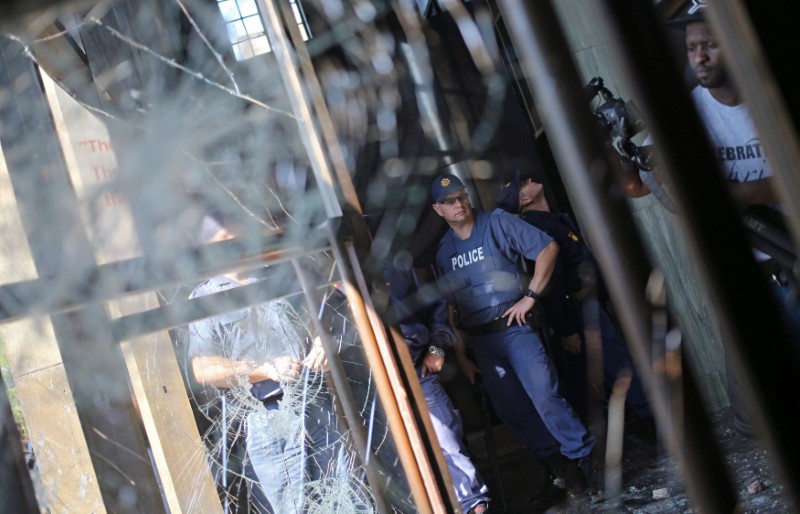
[467,258]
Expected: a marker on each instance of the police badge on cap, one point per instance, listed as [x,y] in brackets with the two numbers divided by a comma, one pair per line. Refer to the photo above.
[444,185]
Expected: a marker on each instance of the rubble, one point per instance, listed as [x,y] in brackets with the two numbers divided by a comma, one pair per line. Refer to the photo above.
[660,494]
[652,483]
[756,487]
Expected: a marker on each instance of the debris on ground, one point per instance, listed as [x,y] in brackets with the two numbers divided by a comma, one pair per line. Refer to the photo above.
[756,487]
[660,494]
[651,482]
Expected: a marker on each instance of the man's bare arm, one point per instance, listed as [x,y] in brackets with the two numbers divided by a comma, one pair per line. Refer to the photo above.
[628,175]
[222,372]
[754,192]
[545,263]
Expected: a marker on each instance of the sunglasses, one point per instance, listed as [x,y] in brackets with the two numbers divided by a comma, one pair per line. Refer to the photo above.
[463,198]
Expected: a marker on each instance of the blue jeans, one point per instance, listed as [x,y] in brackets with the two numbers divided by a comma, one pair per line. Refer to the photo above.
[522,385]
[469,486]
[297,453]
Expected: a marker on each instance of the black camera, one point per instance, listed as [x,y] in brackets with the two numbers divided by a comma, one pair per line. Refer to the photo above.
[619,121]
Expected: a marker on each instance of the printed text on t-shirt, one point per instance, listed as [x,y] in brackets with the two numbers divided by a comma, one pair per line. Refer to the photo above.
[739,153]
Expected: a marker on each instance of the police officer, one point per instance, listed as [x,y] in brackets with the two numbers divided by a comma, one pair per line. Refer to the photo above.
[566,298]
[479,263]
[423,320]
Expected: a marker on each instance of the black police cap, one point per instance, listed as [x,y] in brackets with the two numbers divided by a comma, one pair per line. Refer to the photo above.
[693,11]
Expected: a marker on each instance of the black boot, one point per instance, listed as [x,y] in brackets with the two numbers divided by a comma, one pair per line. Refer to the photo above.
[568,471]
[588,469]
[548,496]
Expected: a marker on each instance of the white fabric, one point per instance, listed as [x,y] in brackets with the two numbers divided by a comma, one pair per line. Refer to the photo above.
[733,134]
[735,141]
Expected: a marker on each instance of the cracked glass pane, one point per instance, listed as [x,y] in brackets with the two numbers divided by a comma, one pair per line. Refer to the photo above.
[194,372]
[193,314]
[201,202]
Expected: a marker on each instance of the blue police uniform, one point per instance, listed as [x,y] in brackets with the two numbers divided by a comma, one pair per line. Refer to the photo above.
[482,277]
[564,313]
[423,321]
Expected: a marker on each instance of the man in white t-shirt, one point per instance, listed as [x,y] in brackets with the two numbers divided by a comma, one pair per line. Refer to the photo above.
[727,120]
[739,151]
[262,361]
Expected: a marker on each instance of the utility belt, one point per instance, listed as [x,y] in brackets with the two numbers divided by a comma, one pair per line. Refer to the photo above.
[498,325]
[492,327]
[575,299]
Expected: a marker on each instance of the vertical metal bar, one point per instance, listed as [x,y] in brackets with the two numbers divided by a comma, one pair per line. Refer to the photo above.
[749,66]
[344,394]
[320,109]
[305,123]
[383,385]
[548,66]
[435,487]
[546,60]
[434,126]
[223,449]
[405,431]
[757,339]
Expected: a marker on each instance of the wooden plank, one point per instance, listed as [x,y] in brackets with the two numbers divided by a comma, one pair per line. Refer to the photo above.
[178,450]
[156,380]
[68,481]
[59,246]
[16,487]
[51,417]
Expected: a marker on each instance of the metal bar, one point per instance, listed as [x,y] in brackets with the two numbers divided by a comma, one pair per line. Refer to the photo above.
[756,336]
[427,497]
[316,99]
[380,376]
[548,66]
[11,12]
[435,128]
[182,312]
[750,68]
[435,485]
[140,274]
[294,88]
[344,394]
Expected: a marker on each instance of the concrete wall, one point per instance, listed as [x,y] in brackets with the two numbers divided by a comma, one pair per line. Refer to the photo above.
[658,227]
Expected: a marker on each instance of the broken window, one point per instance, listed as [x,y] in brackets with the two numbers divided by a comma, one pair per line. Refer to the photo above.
[133,122]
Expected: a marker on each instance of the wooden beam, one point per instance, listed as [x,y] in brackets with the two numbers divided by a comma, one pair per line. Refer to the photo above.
[94,366]
[175,445]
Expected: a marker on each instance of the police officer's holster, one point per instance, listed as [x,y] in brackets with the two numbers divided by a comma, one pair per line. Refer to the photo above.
[538,322]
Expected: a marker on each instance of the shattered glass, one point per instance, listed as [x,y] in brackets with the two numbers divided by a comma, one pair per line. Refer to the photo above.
[124,125]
